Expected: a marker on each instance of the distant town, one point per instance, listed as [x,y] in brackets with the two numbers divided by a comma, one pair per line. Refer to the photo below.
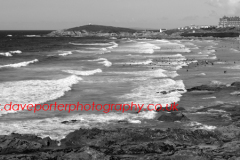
[224,22]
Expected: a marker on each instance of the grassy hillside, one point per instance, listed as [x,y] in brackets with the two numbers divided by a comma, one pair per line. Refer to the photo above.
[102,29]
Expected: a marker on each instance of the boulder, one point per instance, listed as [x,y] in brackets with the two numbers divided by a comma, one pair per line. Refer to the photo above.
[172,117]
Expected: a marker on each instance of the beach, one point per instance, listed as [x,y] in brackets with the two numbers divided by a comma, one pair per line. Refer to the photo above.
[201,75]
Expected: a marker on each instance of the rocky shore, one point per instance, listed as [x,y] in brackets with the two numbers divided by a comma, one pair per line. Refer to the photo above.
[122,143]
[138,143]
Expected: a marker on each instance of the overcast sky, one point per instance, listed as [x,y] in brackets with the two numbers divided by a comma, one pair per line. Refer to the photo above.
[61,14]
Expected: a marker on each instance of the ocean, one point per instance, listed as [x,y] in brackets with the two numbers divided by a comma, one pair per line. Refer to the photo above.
[68,70]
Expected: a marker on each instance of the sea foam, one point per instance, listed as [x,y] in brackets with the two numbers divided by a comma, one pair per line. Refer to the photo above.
[34,91]
[103,61]
[83,73]
[65,53]
[9,54]
[21,64]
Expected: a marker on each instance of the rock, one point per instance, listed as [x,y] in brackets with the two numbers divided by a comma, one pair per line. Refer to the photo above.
[71,121]
[163,92]
[121,143]
[204,88]
[172,117]
[85,153]
[236,84]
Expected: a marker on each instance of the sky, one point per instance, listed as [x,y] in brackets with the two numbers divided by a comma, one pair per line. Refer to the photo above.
[155,14]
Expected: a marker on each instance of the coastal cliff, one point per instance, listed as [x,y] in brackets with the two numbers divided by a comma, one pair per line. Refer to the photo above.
[105,31]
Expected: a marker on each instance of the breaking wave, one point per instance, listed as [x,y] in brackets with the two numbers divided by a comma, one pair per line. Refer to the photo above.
[21,64]
[83,73]
[65,53]
[34,91]
[103,61]
[9,54]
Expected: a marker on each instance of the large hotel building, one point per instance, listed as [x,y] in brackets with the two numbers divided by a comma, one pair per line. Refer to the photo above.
[229,22]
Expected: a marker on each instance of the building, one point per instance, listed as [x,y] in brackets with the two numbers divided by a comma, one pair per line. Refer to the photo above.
[193,27]
[229,22]
[162,30]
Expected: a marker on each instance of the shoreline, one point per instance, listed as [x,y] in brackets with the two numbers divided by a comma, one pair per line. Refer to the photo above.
[127,142]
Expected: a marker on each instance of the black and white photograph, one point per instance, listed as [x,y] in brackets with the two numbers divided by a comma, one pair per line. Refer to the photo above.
[119,79]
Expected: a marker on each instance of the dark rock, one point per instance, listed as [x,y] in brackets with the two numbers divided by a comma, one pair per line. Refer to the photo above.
[236,84]
[172,117]
[71,121]
[205,88]
[85,153]
[122,143]
[163,92]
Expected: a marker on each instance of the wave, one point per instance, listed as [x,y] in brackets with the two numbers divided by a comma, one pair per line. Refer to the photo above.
[235,50]
[151,73]
[232,67]
[65,53]
[209,98]
[9,54]
[217,84]
[171,46]
[102,49]
[139,47]
[104,61]
[114,45]
[209,51]
[21,64]
[96,52]
[137,63]
[235,93]
[32,36]
[202,74]
[153,92]
[34,91]
[91,44]
[83,73]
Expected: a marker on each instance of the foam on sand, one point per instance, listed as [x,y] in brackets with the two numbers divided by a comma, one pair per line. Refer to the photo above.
[21,64]
[83,73]
[34,91]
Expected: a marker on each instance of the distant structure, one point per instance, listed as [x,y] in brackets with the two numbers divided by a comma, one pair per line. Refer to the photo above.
[196,27]
[162,30]
[229,22]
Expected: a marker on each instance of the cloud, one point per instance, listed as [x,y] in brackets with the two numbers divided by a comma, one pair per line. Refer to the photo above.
[231,6]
